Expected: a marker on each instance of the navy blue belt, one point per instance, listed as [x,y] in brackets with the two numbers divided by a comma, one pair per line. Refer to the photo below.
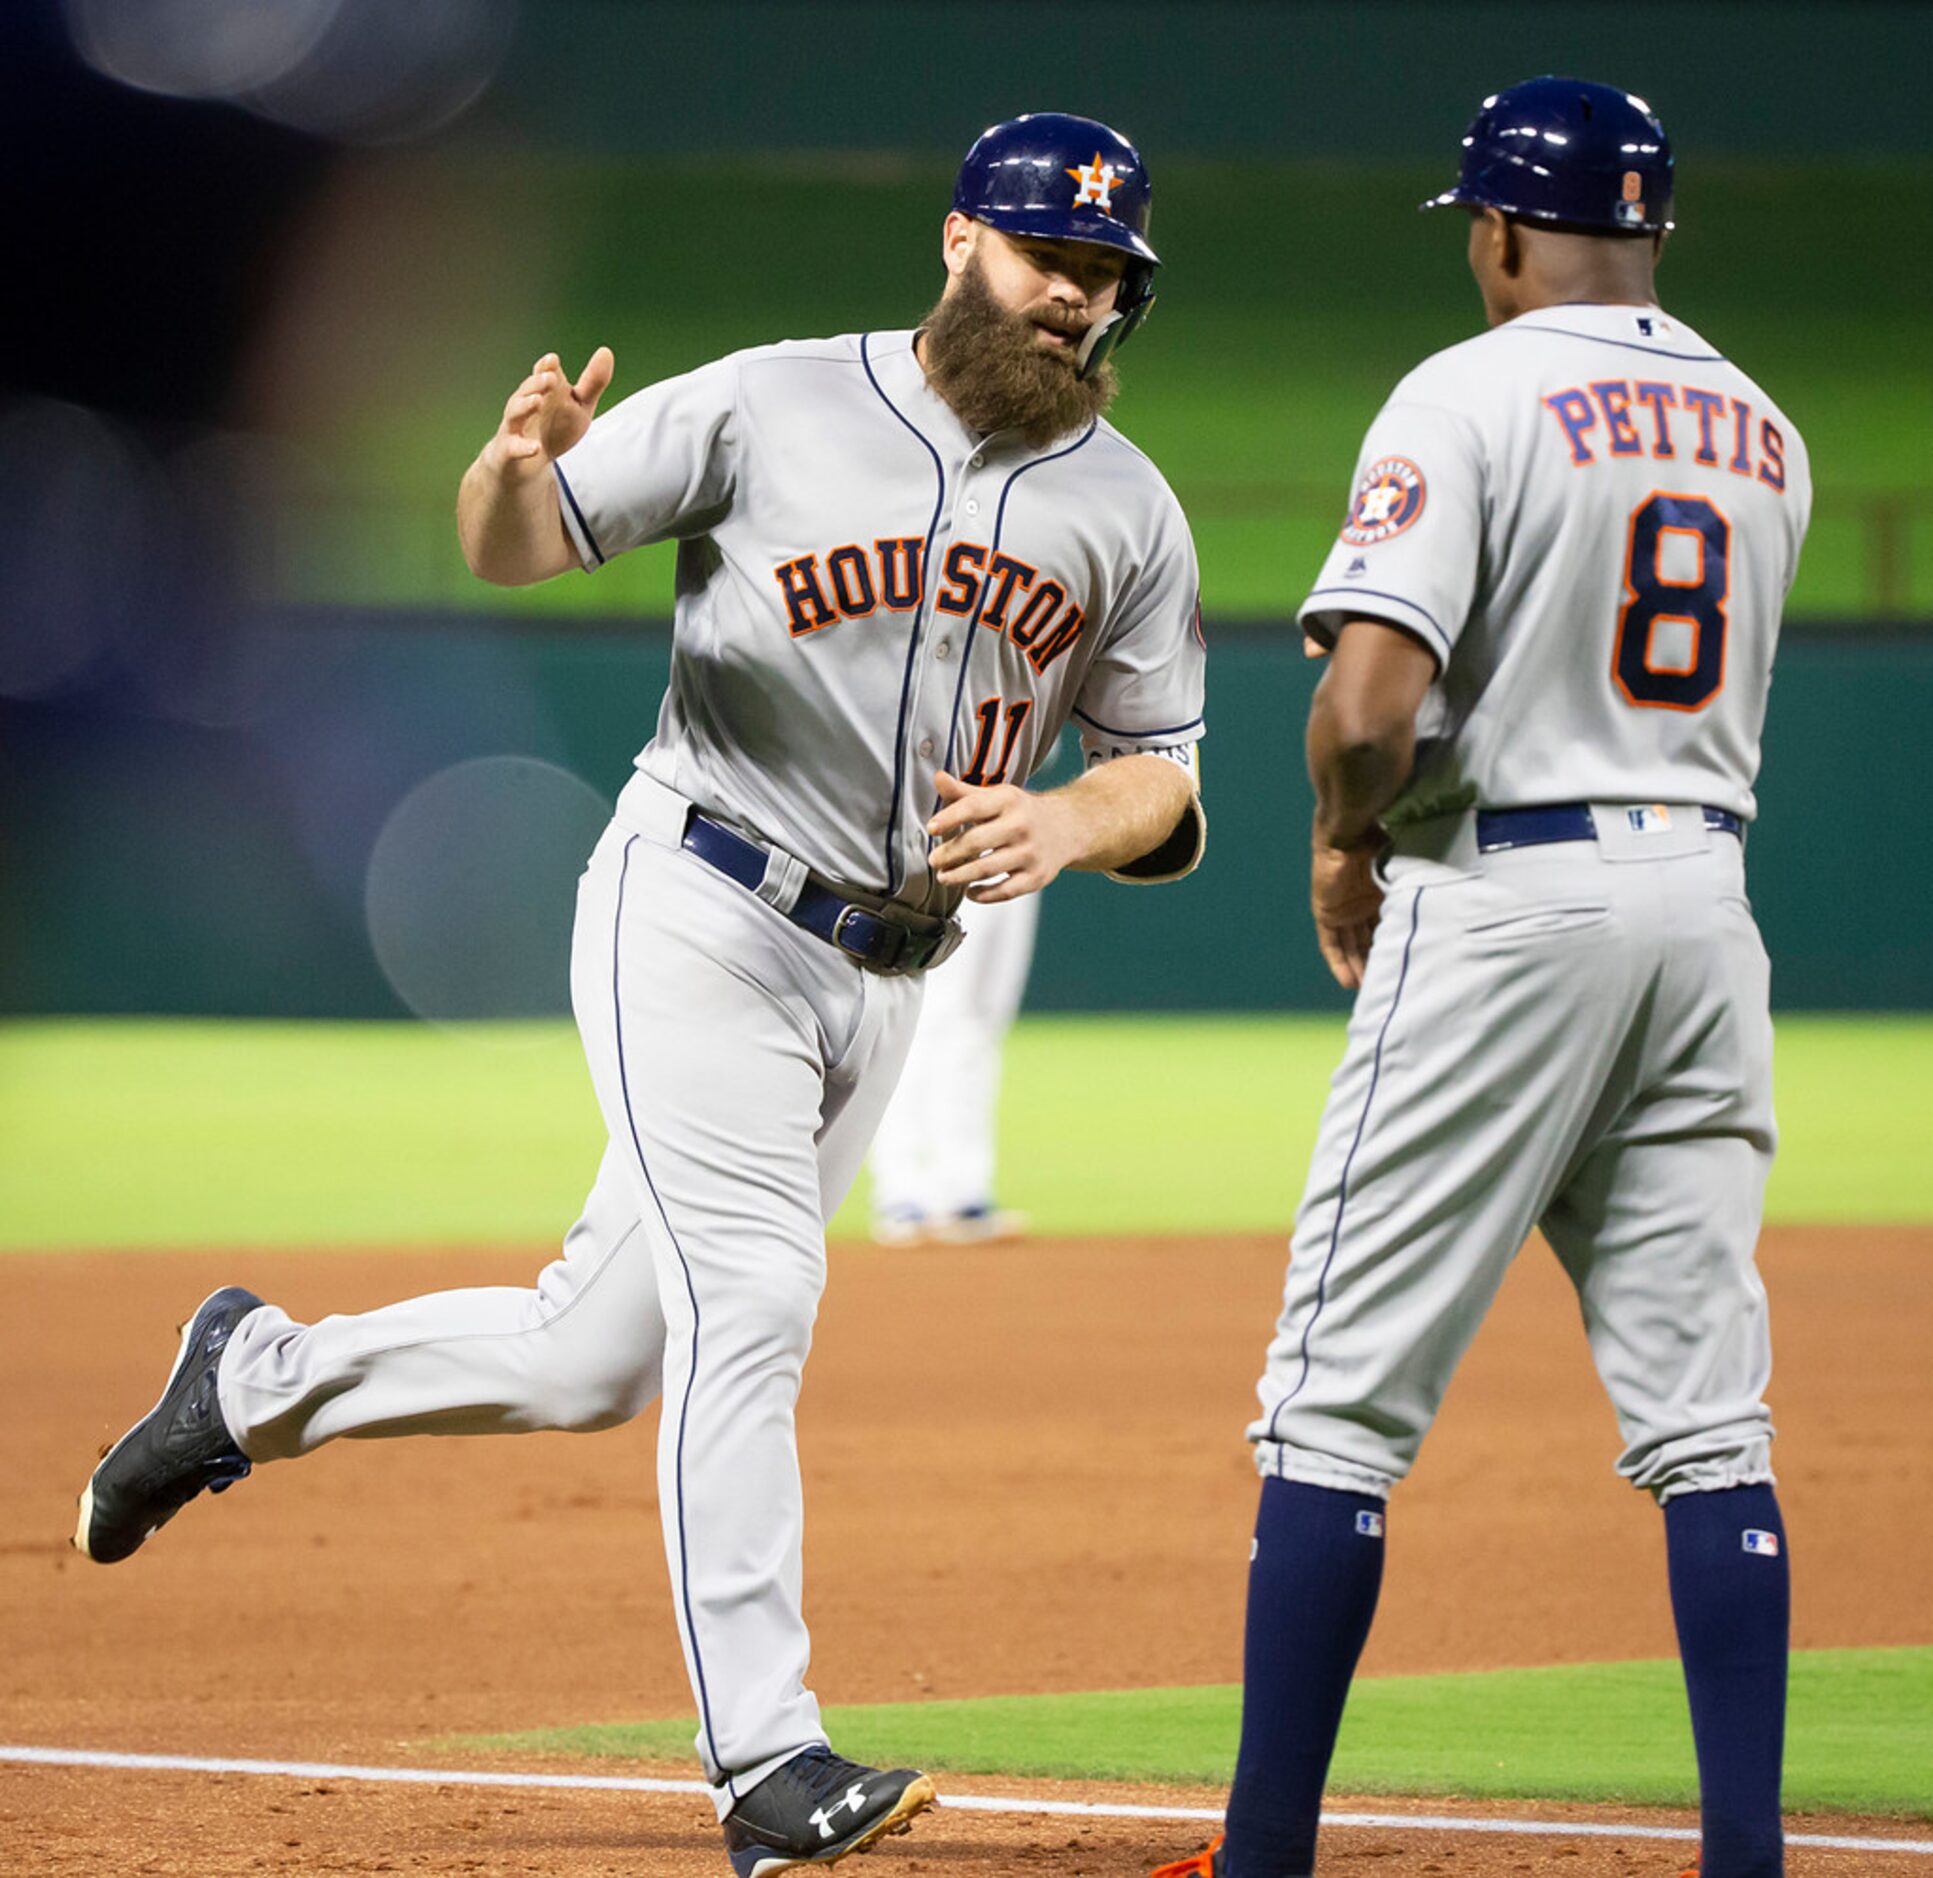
[1498,829]
[886,943]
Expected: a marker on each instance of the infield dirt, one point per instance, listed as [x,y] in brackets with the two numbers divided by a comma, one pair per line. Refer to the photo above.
[1024,1470]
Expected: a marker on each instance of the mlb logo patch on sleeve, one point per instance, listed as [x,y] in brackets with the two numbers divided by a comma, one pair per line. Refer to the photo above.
[1764,1543]
[1370,1525]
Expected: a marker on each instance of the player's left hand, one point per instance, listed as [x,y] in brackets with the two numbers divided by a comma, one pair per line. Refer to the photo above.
[992,830]
[1347,902]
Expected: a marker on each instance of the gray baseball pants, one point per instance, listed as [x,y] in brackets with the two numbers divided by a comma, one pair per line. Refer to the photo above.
[741,1065]
[1576,1037]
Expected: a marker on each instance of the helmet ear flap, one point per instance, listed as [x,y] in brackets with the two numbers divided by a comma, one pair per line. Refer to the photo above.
[1132,305]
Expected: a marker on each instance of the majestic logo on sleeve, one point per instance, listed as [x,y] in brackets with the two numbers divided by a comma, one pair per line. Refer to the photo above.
[1097,181]
[1389,497]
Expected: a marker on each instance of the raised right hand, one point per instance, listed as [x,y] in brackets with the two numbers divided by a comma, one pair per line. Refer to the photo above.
[546,415]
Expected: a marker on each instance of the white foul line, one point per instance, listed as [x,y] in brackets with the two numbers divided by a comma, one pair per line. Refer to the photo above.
[962,1802]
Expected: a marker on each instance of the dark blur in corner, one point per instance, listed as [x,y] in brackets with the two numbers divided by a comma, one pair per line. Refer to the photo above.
[163,163]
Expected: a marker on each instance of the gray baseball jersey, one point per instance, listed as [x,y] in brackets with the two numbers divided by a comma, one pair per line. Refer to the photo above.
[869,591]
[1591,517]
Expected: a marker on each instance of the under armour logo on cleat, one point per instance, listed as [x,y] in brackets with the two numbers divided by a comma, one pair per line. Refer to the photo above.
[855,1798]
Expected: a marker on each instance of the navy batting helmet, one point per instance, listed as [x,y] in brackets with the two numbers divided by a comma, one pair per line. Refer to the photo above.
[1570,154]
[1063,178]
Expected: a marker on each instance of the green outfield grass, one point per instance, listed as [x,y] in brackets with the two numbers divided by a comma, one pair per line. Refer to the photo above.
[1251,386]
[1859,1735]
[152,1133]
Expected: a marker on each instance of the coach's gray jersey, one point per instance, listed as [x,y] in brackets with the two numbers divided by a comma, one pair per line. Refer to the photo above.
[1591,518]
[867,591]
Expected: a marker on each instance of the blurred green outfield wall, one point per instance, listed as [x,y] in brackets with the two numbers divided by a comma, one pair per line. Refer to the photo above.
[1294,294]
[181,870]
[1204,77]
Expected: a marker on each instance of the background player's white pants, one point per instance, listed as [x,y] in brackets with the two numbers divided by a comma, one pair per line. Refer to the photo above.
[1574,1035]
[934,1152]
[740,1065]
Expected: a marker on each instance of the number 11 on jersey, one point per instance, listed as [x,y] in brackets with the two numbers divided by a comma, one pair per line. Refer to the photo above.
[981,770]
[1651,596]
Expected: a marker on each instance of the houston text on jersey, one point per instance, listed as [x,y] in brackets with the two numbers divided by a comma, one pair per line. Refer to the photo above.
[994,589]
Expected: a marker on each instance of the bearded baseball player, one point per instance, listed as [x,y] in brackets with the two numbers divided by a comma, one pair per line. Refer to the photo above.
[1552,613]
[905,560]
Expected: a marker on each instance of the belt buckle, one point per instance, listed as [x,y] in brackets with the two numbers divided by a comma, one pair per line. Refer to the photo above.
[847,914]
[891,967]
[909,950]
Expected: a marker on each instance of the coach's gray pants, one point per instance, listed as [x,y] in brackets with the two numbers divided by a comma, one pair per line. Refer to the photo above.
[1573,1036]
[741,1066]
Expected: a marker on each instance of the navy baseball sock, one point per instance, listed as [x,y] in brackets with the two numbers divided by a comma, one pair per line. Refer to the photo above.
[1312,1585]
[1731,1592]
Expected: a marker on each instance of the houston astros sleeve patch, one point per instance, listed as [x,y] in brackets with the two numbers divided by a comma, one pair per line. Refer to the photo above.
[1389,496]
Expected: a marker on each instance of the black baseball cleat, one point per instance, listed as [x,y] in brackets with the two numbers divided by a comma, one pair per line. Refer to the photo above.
[817,1808]
[177,1448]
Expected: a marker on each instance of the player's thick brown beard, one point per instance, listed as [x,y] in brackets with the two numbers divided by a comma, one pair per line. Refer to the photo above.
[987,364]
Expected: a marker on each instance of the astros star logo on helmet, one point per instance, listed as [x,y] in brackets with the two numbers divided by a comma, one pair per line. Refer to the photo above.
[1097,180]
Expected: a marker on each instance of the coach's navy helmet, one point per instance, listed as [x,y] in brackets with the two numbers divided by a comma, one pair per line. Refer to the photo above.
[1570,153]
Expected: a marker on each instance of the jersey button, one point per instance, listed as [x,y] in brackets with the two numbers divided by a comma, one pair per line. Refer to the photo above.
[975,462]
[926,746]
[972,506]
[943,648]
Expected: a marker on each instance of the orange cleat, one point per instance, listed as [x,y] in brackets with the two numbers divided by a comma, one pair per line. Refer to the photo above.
[1205,1864]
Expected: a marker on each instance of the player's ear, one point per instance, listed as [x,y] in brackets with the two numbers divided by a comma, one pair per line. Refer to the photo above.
[1485,224]
[959,235]
[1510,244]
